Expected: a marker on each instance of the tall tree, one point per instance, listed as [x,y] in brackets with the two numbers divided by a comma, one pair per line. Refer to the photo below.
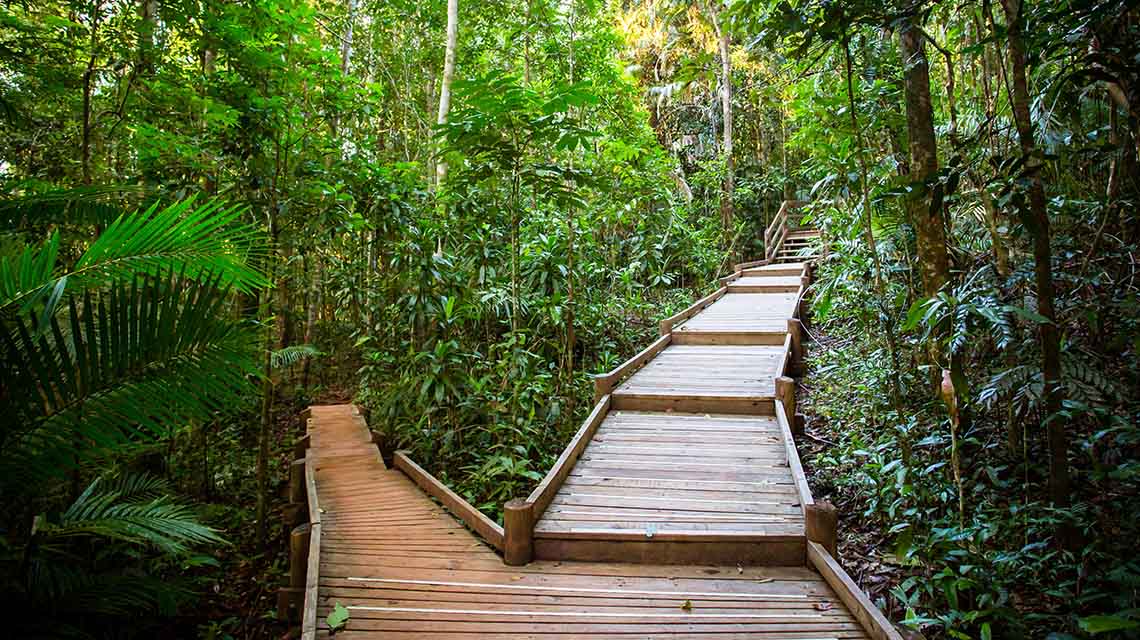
[925,203]
[724,43]
[448,75]
[1036,218]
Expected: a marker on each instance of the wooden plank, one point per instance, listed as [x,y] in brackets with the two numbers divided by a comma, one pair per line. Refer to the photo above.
[742,338]
[545,491]
[313,568]
[604,383]
[797,469]
[687,550]
[472,517]
[873,621]
[667,324]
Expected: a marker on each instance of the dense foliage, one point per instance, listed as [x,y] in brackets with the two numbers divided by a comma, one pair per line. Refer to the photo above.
[217,212]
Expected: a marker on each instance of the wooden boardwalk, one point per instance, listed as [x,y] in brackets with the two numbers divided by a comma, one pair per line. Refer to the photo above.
[678,510]
[404,568]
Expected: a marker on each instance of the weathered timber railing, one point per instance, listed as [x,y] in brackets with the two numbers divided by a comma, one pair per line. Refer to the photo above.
[667,324]
[777,231]
[605,382]
[298,601]
[475,519]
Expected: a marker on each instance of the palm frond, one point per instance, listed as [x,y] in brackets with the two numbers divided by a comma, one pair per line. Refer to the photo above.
[199,241]
[85,205]
[124,365]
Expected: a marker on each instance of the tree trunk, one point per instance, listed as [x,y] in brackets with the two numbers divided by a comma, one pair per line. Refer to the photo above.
[869,236]
[346,41]
[726,207]
[1036,218]
[148,24]
[926,202]
[448,74]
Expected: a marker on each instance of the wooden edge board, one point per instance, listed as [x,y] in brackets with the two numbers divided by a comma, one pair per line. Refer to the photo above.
[873,621]
[749,265]
[544,493]
[763,337]
[794,464]
[695,535]
[472,517]
[735,275]
[782,364]
[605,382]
[313,565]
[311,491]
[668,323]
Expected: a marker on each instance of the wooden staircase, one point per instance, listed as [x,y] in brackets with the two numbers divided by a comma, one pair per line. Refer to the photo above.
[784,243]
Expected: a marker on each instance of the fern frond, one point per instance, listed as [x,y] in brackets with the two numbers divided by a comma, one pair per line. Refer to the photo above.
[292,355]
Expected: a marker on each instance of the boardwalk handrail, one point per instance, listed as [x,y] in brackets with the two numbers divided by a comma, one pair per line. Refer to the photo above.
[544,493]
[666,325]
[605,382]
[312,573]
[798,476]
[873,621]
[460,508]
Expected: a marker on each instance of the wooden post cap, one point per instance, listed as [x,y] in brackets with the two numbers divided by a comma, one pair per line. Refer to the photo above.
[786,393]
[518,532]
[823,525]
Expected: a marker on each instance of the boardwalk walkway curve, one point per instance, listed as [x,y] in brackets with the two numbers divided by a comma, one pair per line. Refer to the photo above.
[678,510]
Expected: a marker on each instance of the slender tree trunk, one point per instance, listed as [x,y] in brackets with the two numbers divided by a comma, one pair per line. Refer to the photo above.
[347,40]
[148,25]
[1037,219]
[448,75]
[88,79]
[869,236]
[729,184]
[926,205]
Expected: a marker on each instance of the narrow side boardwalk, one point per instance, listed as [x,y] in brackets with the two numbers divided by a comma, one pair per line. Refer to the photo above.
[405,568]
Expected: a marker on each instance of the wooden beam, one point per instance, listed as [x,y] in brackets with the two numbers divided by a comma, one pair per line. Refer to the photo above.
[794,464]
[730,277]
[605,382]
[872,620]
[301,446]
[742,338]
[472,517]
[776,551]
[548,488]
[312,572]
[667,324]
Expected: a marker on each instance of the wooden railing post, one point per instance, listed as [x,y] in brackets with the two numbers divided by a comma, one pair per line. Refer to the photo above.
[518,532]
[290,599]
[786,395]
[822,522]
[796,330]
[299,556]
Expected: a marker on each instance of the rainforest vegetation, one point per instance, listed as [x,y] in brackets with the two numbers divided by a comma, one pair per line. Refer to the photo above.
[217,212]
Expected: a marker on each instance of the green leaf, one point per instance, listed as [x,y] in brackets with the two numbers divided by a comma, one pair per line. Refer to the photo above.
[338,618]
[1100,624]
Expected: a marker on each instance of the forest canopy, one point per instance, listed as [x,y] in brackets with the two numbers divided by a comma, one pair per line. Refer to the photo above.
[453,214]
